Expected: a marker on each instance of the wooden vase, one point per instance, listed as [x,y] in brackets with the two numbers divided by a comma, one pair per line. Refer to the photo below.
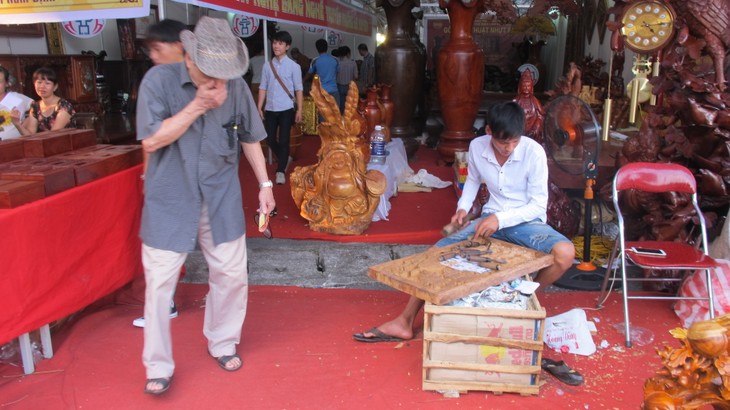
[386,108]
[399,61]
[364,136]
[373,116]
[460,69]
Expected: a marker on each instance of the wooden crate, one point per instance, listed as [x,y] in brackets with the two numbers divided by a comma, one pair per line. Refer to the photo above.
[486,349]
[424,276]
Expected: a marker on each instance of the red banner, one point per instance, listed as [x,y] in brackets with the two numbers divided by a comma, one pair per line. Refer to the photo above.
[324,13]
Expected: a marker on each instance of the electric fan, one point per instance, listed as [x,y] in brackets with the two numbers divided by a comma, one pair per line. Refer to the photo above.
[572,139]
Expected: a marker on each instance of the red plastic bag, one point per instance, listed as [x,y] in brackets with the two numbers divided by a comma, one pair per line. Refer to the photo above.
[690,311]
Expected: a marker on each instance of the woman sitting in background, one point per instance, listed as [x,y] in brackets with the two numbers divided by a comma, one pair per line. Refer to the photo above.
[49,113]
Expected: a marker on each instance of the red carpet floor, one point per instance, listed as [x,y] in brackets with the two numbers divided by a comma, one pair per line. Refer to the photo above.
[415,217]
[298,354]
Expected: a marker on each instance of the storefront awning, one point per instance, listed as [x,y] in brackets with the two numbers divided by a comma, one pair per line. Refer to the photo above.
[51,11]
[318,13]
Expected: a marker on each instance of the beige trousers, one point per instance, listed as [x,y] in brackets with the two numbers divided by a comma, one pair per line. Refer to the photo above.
[225,306]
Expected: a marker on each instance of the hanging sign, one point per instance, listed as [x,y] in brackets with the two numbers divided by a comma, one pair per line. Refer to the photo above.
[53,11]
[84,28]
[323,13]
[244,26]
[334,38]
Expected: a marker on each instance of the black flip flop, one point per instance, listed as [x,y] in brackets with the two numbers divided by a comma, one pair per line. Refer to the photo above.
[379,337]
[223,360]
[562,372]
[164,381]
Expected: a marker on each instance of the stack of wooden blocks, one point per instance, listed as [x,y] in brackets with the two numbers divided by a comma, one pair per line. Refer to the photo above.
[50,162]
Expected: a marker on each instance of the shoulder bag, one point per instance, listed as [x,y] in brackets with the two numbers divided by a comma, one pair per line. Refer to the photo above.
[273,69]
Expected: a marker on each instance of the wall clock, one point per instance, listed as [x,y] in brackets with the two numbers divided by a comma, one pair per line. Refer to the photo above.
[647,25]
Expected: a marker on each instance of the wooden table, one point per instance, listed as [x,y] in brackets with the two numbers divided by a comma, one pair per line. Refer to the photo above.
[61,253]
[423,275]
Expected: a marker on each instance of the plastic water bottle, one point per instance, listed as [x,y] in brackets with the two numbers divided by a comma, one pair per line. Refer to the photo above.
[377,144]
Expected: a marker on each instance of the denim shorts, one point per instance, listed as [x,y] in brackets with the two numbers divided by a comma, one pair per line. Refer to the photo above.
[535,235]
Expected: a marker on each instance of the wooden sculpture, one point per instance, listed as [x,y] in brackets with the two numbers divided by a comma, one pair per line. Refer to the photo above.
[689,125]
[534,113]
[708,20]
[698,373]
[337,194]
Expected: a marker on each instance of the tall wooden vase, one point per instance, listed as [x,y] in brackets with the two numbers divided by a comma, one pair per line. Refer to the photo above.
[373,115]
[400,62]
[460,69]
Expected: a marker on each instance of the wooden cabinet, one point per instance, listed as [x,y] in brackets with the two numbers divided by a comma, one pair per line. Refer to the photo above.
[12,64]
[76,77]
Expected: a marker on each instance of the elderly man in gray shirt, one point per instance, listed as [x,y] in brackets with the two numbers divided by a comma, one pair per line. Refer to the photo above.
[193,118]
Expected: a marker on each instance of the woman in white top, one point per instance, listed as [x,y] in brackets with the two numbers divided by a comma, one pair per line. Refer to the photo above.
[10,100]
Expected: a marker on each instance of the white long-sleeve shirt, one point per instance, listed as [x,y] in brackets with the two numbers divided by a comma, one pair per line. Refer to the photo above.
[518,190]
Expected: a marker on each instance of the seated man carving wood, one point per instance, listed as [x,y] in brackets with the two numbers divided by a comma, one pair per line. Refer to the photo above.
[337,194]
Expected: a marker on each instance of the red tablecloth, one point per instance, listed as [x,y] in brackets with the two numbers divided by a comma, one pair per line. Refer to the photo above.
[60,254]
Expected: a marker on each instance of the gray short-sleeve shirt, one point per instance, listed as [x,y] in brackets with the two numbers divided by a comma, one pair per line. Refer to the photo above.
[201,166]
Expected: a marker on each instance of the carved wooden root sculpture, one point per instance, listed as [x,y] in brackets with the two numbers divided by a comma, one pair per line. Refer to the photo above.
[696,374]
[337,194]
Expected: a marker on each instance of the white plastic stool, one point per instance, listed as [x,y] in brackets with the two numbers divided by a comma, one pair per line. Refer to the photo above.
[26,350]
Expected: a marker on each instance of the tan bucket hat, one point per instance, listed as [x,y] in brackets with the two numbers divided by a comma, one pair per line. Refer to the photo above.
[214,48]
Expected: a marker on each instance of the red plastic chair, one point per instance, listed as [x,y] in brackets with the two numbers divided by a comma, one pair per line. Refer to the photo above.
[656,178]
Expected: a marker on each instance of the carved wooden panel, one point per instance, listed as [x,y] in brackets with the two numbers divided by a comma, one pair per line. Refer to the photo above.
[83,88]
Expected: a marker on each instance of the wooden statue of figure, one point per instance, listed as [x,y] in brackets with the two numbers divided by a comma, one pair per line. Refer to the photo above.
[697,374]
[534,114]
[337,194]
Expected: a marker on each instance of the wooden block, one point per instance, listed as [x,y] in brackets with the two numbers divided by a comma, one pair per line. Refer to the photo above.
[46,144]
[81,138]
[133,152]
[87,170]
[423,275]
[54,179]
[130,155]
[16,193]
[10,150]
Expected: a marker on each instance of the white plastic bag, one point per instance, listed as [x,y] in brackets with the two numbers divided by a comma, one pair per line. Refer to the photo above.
[690,311]
[423,178]
[569,333]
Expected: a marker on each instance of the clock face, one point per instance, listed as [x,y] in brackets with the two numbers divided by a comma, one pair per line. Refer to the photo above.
[647,25]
